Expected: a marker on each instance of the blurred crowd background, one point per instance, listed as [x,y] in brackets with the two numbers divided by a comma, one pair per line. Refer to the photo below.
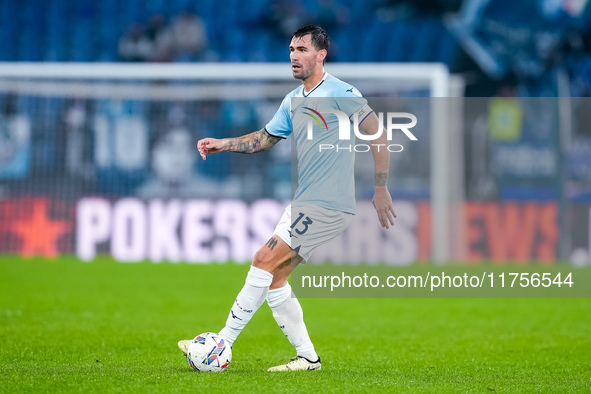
[494,42]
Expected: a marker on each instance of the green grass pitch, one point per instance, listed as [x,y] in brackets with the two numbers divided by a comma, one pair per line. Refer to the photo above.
[104,326]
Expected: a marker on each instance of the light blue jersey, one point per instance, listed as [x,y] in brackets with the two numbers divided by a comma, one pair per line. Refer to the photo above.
[325,177]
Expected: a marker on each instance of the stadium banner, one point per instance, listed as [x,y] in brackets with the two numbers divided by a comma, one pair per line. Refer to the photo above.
[204,231]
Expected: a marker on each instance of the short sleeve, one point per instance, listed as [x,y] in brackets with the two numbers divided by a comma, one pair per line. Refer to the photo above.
[351,102]
[280,124]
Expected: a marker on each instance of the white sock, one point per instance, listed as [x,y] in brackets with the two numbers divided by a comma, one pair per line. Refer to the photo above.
[288,313]
[250,298]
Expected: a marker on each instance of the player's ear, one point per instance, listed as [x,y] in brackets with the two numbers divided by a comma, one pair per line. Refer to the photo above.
[322,54]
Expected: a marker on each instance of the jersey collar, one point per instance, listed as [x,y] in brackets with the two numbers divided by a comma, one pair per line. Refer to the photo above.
[314,88]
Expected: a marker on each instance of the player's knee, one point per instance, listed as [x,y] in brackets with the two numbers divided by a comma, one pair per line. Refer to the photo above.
[263,259]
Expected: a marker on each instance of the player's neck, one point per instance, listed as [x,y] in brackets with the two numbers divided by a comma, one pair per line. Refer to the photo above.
[314,80]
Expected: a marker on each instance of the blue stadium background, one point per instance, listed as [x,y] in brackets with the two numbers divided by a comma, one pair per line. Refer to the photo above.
[88,31]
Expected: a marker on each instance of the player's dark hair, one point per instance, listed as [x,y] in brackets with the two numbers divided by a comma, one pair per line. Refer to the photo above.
[320,39]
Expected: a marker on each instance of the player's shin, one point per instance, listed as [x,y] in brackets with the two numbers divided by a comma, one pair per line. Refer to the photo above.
[288,313]
[250,298]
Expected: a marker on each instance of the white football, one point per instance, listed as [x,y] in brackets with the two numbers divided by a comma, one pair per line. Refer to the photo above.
[209,352]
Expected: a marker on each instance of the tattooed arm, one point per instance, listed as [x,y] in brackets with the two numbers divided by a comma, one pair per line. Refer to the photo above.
[249,143]
[253,142]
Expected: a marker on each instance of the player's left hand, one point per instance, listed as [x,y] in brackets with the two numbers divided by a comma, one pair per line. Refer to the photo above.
[382,202]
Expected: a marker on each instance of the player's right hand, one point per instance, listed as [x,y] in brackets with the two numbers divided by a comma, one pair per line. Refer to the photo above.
[209,146]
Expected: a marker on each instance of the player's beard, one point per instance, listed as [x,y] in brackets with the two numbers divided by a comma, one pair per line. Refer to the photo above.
[304,74]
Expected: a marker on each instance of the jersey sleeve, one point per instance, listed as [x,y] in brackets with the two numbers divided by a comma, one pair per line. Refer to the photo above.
[351,101]
[280,124]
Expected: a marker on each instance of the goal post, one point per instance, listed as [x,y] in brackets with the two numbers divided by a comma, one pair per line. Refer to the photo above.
[265,82]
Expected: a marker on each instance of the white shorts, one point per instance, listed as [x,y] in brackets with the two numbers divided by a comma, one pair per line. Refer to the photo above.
[310,227]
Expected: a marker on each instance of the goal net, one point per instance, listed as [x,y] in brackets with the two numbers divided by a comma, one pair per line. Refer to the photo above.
[101,159]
